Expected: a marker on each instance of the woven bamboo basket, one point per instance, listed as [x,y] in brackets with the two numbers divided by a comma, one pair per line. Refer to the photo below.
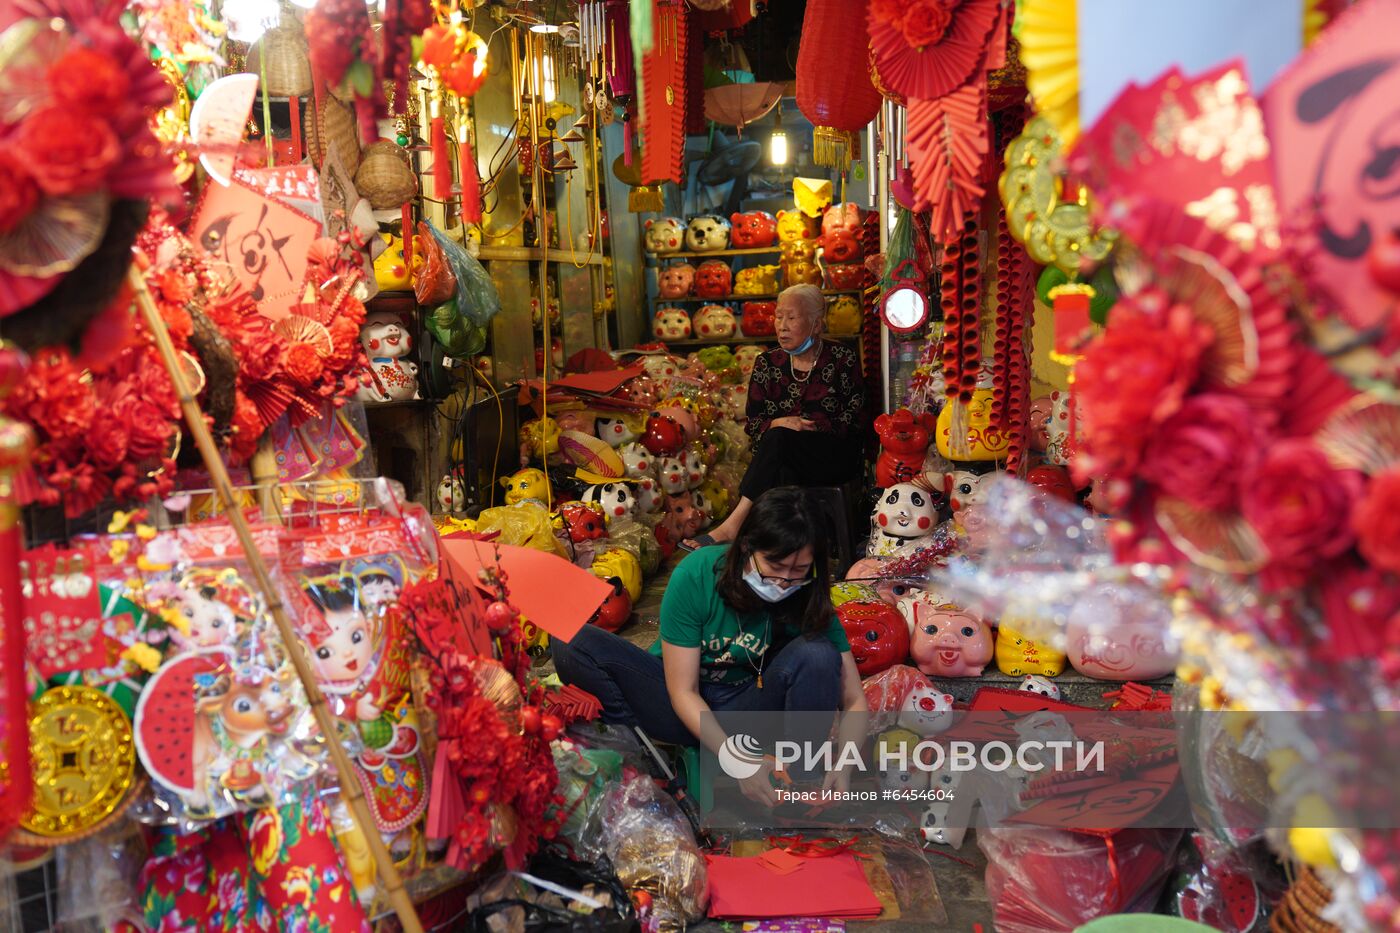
[287,63]
[385,176]
[1300,911]
[335,126]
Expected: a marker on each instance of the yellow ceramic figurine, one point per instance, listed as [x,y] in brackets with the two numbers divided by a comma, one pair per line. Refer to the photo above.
[525,484]
[623,564]
[390,270]
[984,442]
[1018,655]
[794,225]
[843,316]
[760,280]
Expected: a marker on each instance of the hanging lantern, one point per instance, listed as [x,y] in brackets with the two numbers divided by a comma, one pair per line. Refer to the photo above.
[454,58]
[833,82]
[1070,303]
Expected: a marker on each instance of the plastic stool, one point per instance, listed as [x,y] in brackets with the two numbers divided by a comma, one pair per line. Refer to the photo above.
[832,502]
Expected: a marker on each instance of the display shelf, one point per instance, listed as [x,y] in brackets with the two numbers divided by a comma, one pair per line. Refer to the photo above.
[711,254]
[720,342]
[535,254]
[766,296]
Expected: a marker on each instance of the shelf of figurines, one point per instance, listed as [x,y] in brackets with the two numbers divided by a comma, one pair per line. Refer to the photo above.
[535,254]
[755,341]
[715,253]
[765,296]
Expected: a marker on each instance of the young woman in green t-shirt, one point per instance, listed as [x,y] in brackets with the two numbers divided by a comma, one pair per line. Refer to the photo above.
[746,626]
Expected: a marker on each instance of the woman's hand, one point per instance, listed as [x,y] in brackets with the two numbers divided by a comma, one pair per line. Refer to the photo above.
[759,787]
[792,423]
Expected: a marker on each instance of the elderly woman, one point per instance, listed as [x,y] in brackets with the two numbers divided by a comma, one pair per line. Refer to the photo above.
[804,411]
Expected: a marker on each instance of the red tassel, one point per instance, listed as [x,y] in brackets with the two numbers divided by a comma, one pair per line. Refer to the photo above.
[407,215]
[627,144]
[364,113]
[442,168]
[295,104]
[471,184]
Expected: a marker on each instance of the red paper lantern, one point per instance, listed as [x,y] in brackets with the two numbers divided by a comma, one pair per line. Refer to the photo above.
[834,90]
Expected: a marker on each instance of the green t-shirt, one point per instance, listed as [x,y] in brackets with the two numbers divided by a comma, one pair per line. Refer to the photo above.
[731,643]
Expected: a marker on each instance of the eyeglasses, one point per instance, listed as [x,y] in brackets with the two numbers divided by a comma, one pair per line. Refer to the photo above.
[784,582]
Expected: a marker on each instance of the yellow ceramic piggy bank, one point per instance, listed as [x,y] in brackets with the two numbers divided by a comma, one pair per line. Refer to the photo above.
[718,498]
[1018,655]
[843,317]
[760,280]
[390,269]
[525,484]
[803,272]
[539,439]
[794,225]
[984,442]
[622,564]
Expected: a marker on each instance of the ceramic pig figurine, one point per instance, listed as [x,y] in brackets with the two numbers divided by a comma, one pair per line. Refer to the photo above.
[672,475]
[869,569]
[935,826]
[616,431]
[760,280]
[525,484]
[695,468]
[984,441]
[758,319]
[745,356]
[451,494]
[877,632]
[948,640]
[892,746]
[681,518]
[905,514]
[795,225]
[1038,422]
[753,230]
[713,279]
[615,499]
[926,711]
[1058,441]
[840,239]
[666,235]
[714,322]
[843,317]
[707,233]
[390,377]
[1016,654]
[671,324]
[845,276]
[904,439]
[1042,686]
[676,280]
[1119,634]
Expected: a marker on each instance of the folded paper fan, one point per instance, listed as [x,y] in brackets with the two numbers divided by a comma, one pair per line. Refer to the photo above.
[590,454]
[1363,435]
[947,141]
[1049,37]
[938,67]
[1220,541]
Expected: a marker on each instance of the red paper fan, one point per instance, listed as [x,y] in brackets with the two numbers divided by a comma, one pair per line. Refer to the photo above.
[664,95]
[943,67]
[947,141]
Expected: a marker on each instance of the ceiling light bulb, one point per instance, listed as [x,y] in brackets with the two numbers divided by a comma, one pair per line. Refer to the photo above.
[778,147]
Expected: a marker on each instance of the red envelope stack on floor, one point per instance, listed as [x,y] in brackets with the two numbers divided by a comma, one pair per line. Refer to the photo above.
[828,887]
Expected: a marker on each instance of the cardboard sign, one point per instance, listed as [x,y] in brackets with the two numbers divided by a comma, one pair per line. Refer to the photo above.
[261,240]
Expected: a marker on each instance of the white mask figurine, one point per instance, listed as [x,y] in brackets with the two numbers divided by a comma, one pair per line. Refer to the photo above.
[451,494]
[615,499]
[905,517]
[390,377]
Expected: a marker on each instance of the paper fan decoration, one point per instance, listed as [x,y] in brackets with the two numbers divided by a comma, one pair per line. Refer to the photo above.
[591,454]
[1049,36]
[664,91]
[929,49]
[1364,435]
[947,142]
[1219,541]
[738,105]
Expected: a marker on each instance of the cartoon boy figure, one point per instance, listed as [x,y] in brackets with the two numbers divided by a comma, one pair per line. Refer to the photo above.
[380,583]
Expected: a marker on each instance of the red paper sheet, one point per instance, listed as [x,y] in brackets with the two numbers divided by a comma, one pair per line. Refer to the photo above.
[598,383]
[548,590]
[834,886]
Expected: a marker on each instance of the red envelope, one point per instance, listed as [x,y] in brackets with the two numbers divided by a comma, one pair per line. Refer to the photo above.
[548,590]
[833,886]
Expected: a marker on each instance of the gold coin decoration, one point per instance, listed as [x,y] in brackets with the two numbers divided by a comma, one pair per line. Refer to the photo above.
[83,757]
[1055,229]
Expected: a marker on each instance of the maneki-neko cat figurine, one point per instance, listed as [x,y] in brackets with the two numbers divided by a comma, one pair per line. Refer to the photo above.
[391,376]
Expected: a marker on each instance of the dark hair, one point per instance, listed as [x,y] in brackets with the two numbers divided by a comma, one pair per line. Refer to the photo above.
[333,594]
[781,523]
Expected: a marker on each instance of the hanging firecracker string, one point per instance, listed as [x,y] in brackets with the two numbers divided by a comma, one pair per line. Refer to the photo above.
[967,350]
[950,353]
[1019,373]
[1003,348]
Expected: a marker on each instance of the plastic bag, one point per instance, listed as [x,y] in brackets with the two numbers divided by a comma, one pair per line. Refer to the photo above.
[647,837]
[629,534]
[886,692]
[477,299]
[461,339]
[542,900]
[525,524]
[1042,880]
[433,282]
[584,774]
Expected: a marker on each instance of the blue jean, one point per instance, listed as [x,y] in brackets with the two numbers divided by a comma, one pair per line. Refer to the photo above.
[631,682]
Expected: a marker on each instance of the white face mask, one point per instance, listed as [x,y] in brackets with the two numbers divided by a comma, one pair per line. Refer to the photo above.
[767,591]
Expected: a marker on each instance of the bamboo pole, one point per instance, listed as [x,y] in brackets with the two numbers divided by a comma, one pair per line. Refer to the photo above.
[218,474]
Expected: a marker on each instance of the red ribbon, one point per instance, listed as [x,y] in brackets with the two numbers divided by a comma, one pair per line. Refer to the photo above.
[819,847]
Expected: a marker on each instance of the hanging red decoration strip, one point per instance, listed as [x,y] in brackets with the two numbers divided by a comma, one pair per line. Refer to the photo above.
[466,171]
[947,144]
[665,92]
[442,165]
[970,288]
[926,54]
[951,353]
[834,90]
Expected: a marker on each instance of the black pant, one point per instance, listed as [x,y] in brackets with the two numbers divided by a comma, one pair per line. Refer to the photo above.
[783,456]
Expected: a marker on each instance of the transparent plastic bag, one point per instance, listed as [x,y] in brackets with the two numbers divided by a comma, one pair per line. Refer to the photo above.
[886,692]
[525,524]
[477,299]
[97,879]
[649,841]
[584,776]
[1041,880]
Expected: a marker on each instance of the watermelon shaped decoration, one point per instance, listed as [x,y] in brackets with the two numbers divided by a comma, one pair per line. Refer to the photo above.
[165,718]
[1236,906]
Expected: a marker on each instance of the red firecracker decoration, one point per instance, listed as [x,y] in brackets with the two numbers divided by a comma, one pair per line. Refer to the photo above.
[665,94]
[834,90]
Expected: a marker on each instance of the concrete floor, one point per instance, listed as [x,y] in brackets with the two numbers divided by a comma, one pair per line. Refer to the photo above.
[958,873]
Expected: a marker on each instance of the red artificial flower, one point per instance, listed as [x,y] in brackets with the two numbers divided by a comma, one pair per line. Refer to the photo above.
[88,81]
[927,21]
[1300,506]
[53,398]
[247,428]
[303,364]
[1357,604]
[345,343]
[1376,521]
[107,442]
[1132,379]
[68,152]
[19,192]
[1201,452]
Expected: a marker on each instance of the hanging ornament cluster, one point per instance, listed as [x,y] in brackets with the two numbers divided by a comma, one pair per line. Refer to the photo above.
[348,53]
[454,59]
[934,56]
[665,93]
[834,90]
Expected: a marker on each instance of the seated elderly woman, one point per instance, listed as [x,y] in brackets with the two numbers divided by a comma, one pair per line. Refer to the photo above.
[804,410]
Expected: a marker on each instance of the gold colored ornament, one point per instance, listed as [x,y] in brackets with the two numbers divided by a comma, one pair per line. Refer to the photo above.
[1055,230]
[84,761]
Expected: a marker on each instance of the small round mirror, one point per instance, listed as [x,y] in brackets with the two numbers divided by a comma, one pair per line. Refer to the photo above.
[905,309]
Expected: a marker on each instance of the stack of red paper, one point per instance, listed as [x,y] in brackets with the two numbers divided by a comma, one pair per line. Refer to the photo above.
[776,884]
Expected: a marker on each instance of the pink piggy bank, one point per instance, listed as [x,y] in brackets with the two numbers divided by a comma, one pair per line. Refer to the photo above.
[870,569]
[671,324]
[675,281]
[713,279]
[949,641]
[1118,633]
[714,322]
[680,517]
[752,230]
